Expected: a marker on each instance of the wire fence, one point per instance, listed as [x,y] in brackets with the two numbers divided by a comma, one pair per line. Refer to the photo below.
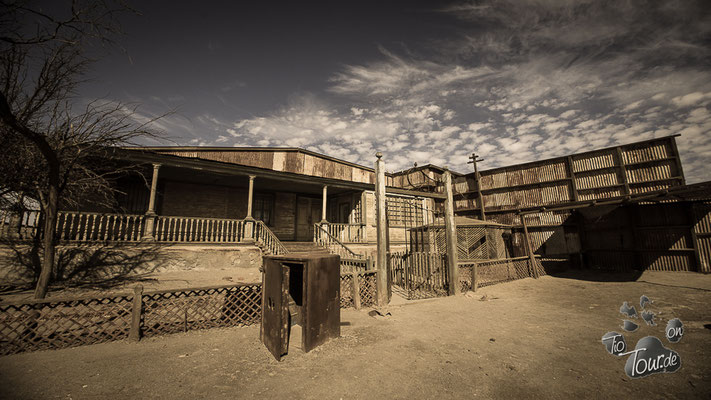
[490,272]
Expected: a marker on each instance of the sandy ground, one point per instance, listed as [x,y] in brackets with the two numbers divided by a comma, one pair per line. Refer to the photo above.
[525,339]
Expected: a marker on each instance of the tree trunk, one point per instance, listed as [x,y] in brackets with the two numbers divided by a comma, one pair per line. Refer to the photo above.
[50,219]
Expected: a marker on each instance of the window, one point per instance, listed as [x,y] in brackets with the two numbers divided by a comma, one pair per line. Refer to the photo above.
[263,208]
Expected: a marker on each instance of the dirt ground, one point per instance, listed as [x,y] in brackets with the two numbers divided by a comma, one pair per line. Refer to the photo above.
[524,339]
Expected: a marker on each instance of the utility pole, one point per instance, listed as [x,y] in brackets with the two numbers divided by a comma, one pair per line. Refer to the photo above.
[474,159]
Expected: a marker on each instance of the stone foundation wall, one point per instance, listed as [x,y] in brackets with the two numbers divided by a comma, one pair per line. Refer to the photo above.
[95,263]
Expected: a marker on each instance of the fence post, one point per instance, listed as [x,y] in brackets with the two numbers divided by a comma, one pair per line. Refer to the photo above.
[475,279]
[356,291]
[135,333]
[450,227]
[381,221]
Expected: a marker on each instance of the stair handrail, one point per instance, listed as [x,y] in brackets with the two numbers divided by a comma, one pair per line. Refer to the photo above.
[331,242]
[264,236]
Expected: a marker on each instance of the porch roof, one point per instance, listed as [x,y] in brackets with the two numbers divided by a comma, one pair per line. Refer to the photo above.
[318,176]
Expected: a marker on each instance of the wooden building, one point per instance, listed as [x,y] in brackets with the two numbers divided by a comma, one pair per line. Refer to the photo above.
[620,207]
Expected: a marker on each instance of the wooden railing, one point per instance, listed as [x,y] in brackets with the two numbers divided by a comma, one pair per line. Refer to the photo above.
[97,227]
[333,245]
[267,240]
[346,233]
[350,265]
[90,227]
[74,226]
[188,229]
[19,226]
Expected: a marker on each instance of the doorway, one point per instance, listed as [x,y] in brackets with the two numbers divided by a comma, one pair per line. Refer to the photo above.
[308,212]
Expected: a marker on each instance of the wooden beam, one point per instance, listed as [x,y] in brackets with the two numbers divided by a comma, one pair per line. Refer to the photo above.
[529,248]
[623,170]
[382,232]
[450,227]
[700,264]
[571,173]
[677,160]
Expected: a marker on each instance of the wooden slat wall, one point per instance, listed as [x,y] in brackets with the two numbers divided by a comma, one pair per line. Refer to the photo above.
[660,237]
[283,161]
[629,169]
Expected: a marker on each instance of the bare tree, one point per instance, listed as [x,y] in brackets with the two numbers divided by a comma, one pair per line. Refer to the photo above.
[55,142]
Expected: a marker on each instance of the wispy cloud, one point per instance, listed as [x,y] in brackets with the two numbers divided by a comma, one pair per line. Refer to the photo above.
[522,80]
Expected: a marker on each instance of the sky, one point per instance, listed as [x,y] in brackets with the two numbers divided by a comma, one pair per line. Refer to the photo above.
[425,82]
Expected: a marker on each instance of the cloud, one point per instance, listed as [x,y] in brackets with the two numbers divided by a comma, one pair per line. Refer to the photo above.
[516,81]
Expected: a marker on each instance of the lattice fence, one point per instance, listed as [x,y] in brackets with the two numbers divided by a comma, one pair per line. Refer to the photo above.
[42,325]
[368,288]
[491,272]
[56,324]
[203,308]
[347,299]
[360,293]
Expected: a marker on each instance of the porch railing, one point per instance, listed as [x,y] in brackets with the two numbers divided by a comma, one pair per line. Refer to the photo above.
[267,240]
[87,227]
[187,229]
[346,233]
[104,227]
[333,245]
[19,226]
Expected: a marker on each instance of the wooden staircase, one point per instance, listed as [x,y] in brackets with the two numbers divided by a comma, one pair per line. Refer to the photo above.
[304,248]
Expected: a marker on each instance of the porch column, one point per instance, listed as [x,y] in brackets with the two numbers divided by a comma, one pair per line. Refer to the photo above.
[323,205]
[250,196]
[249,223]
[148,234]
[382,233]
[450,227]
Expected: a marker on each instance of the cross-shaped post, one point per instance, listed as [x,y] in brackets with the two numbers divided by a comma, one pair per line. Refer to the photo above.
[474,159]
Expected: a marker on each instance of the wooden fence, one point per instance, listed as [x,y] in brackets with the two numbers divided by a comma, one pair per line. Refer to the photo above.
[474,274]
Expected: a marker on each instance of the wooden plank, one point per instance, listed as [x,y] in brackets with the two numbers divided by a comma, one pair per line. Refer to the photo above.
[622,170]
[322,299]
[677,160]
[274,330]
[571,173]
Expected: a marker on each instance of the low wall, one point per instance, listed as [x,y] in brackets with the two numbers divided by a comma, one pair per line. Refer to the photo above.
[97,262]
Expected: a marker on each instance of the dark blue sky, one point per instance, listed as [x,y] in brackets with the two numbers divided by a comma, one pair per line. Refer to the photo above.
[432,82]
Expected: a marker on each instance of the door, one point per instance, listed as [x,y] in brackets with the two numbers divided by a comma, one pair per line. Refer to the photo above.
[308,212]
[275,308]
[322,294]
